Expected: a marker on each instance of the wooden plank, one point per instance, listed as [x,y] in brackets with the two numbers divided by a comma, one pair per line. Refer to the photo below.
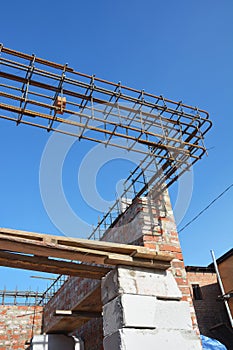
[134,251]
[38,263]
[85,243]
[80,314]
[157,264]
[75,242]
[48,249]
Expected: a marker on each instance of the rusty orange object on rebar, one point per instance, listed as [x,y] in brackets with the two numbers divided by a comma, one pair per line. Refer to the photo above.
[60,102]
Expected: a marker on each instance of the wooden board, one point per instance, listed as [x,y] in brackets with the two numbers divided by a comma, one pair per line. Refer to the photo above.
[39,263]
[132,250]
[86,251]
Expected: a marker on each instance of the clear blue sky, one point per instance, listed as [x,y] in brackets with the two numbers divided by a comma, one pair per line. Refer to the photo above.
[180,49]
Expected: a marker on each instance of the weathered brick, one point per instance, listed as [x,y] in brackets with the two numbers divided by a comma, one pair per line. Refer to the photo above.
[18,324]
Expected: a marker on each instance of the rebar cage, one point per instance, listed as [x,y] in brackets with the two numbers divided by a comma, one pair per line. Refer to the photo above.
[168,134]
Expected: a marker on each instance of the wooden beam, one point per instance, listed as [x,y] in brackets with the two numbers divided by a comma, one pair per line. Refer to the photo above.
[80,314]
[38,263]
[81,243]
[82,250]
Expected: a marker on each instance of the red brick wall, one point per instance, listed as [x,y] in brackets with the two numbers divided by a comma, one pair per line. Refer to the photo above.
[17,326]
[209,311]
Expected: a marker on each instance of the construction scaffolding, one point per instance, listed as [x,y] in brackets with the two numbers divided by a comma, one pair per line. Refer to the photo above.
[17,297]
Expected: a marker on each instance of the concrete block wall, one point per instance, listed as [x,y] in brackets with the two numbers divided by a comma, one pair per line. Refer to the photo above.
[17,326]
[151,282]
[136,317]
[144,311]
[126,338]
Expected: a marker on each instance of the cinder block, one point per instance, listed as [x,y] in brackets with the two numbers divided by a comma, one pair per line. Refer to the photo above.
[172,315]
[147,312]
[131,339]
[128,310]
[141,281]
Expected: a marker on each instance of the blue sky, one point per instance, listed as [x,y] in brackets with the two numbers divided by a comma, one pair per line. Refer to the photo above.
[180,49]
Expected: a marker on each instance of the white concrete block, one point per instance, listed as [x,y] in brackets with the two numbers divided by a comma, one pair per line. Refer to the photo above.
[128,310]
[131,339]
[172,315]
[140,311]
[56,342]
[142,281]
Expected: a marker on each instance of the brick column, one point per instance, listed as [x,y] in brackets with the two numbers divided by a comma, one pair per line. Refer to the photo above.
[150,222]
[163,236]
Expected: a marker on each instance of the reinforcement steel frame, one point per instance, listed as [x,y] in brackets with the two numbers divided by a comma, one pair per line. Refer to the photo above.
[169,135]
[16,297]
[29,93]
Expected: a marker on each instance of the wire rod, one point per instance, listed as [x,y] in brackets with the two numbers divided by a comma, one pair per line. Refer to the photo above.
[206,208]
